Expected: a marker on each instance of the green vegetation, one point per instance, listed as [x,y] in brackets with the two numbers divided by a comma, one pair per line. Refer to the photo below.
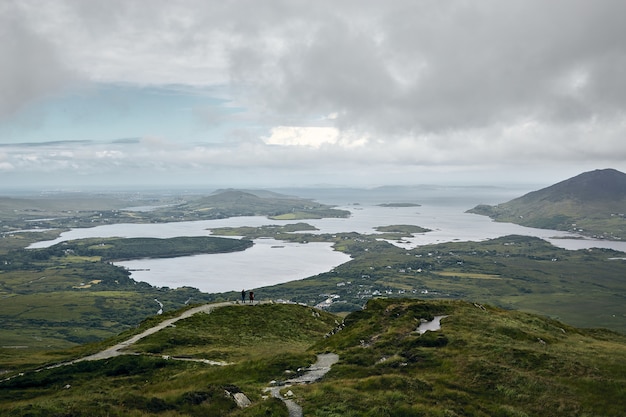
[484,361]
[402,228]
[63,211]
[136,248]
[312,214]
[502,354]
[399,231]
[241,332]
[274,231]
[263,343]
[70,294]
[592,204]
[231,203]
[584,287]
[66,295]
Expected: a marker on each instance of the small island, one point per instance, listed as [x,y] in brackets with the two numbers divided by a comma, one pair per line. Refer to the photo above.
[399,205]
[267,231]
[405,229]
[118,249]
[399,231]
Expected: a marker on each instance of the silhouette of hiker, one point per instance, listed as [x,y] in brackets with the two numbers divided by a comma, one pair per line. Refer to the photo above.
[243,296]
[251,297]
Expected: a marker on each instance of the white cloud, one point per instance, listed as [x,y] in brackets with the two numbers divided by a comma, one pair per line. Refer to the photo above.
[314,137]
[302,136]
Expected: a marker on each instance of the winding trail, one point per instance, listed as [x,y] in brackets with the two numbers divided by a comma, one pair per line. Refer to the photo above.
[117,349]
[313,373]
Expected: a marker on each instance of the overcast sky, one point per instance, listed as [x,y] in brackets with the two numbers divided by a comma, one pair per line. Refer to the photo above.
[271,93]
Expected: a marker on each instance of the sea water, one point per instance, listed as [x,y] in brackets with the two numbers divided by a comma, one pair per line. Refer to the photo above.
[270,262]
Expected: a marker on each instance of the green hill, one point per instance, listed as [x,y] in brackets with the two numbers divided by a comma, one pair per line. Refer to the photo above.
[483,361]
[72,210]
[231,203]
[592,204]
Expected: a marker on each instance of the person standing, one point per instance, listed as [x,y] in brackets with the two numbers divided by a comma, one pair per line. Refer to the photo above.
[243,296]
[251,297]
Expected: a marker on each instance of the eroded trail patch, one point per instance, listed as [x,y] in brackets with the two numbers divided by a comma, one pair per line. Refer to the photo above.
[313,373]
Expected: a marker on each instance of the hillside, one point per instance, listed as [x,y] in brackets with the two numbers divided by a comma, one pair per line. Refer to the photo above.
[592,203]
[233,203]
[585,288]
[60,211]
[70,293]
[483,361]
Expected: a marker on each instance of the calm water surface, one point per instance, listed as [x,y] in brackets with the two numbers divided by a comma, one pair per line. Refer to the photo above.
[271,262]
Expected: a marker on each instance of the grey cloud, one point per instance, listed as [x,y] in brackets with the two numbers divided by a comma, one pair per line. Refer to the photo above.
[30,67]
[400,67]
[432,66]
[435,82]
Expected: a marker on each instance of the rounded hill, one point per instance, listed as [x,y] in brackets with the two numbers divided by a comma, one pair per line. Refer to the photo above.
[592,203]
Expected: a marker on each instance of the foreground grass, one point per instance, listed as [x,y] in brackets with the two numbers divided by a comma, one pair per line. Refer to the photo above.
[262,343]
[240,332]
[484,361]
[64,296]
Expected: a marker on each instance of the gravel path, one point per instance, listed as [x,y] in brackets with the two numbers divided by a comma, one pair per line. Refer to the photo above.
[313,373]
[117,349]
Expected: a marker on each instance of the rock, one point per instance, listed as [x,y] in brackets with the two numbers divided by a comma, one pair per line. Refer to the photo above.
[241,400]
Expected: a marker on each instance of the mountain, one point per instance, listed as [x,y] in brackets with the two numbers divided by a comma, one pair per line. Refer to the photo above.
[260,203]
[481,361]
[592,203]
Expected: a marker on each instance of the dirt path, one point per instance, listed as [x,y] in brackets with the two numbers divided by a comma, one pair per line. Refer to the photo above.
[313,373]
[117,349]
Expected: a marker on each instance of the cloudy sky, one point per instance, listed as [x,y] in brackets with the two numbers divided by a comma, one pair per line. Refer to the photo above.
[272,93]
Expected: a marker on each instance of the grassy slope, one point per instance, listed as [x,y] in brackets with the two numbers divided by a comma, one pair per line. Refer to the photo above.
[592,203]
[52,299]
[88,210]
[483,362]
[240,332]
[247,203]
[585,288]
[262,342]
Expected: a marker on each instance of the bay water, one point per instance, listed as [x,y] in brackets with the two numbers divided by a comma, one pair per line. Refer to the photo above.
[270,262]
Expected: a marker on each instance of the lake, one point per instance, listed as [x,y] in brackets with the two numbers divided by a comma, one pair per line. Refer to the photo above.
[271,262]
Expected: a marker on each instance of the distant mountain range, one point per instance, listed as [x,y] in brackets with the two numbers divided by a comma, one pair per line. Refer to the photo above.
[592,204]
